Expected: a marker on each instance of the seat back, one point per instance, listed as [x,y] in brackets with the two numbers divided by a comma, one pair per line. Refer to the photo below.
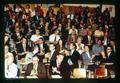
[100,72]
[79,73]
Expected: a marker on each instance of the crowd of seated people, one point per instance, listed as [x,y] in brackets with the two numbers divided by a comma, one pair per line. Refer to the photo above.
[65,41]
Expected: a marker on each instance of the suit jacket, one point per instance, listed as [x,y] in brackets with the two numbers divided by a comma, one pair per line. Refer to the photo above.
[85,56]
[15,37]
[20,48]
[64,68]
[74,58]
[111,57]
[26,48]
[54,56]
[53,63]
[34,18]
[41,70]
[17,42]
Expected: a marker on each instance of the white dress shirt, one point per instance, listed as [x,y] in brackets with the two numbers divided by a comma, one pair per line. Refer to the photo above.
[71,16]
[34,38]
[52,52]
[24,47]
[52,38]
[71,30]
[88,54]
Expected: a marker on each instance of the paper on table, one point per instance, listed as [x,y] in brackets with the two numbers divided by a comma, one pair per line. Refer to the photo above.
[32,77]
[56,76]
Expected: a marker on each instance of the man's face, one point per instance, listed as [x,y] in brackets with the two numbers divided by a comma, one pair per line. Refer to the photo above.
[24,41]
[37,32]
[17,30]
[109,49]
[99,42]
[56,32]
[73,27]
[86,48]
[60,25]
[52,47]
[40,41]
[71,46]
[112,42]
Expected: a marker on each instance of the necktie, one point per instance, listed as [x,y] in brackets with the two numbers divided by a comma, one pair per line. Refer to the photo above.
[55,38]
[58,68]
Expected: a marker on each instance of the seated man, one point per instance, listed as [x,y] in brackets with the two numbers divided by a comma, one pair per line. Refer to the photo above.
[75,57]
[87,55]
[110,55]
[36,68]
[11,69]
[110,58]
[98,50]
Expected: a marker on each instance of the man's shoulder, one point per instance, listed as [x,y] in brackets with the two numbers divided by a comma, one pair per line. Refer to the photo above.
[83,53]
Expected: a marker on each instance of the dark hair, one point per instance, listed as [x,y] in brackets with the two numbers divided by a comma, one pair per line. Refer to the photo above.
[59,41]
[41,38]
[86,45]
[60,54]
[74,45]
[36,55]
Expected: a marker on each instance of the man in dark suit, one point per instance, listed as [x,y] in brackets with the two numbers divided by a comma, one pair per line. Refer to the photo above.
[65,67]
[75,57]
[36,68]
[110,58]
[36,17]
[110,55]
[53,52]
[17,37]
[23,46]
